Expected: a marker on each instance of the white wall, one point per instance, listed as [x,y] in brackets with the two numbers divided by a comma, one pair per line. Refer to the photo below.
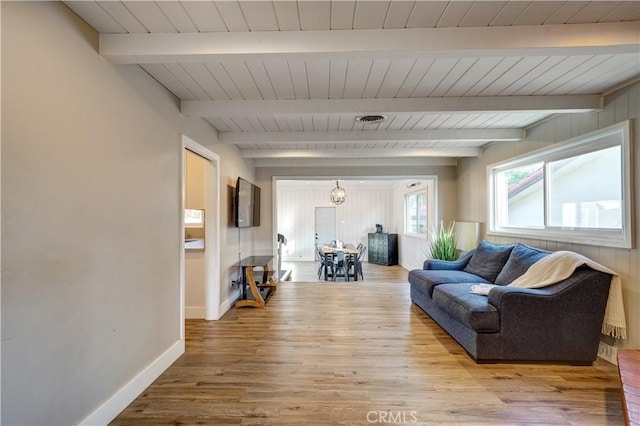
[90,217]
[619,106]
[356,217]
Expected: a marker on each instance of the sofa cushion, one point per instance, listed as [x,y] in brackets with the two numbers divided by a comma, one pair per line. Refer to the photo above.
[488,260]
[473,310]
[520,259]
[426,280]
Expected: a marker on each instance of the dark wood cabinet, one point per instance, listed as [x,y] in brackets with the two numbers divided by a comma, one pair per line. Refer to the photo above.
[383,248]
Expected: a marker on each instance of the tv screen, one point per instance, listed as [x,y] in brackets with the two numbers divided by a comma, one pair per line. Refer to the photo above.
[247,204]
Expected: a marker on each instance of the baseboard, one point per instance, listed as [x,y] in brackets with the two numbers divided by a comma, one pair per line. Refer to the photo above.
[126,394]
[194,312]
[608,353]
[231,300]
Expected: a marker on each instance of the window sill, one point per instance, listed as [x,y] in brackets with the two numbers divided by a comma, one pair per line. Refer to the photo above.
[546,235]
[417,237]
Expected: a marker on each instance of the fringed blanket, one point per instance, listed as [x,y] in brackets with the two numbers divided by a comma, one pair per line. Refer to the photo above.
[560,265]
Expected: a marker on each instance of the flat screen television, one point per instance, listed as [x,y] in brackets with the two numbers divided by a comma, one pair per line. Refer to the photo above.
[247,204]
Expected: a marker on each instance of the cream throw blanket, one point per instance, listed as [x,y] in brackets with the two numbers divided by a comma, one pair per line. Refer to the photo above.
[560,265]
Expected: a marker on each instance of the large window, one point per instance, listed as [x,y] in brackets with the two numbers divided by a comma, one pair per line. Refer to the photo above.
[577,191]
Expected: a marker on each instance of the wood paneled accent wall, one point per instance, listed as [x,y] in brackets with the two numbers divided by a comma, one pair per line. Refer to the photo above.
[472,191]
[356,217]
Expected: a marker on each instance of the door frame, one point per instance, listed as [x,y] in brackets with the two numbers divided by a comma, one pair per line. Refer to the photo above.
[212,230]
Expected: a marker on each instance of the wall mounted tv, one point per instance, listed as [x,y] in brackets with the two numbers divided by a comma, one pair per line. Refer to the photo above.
[247,204]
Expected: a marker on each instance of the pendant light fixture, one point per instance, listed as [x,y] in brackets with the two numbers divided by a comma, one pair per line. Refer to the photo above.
[338,195]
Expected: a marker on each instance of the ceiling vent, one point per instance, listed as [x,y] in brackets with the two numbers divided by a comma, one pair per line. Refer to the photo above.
[371,119]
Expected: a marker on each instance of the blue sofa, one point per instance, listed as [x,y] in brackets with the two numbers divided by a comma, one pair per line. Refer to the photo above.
[558,323]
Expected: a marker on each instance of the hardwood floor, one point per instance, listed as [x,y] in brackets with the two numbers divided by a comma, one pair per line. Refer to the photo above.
[308,272]
[357,354]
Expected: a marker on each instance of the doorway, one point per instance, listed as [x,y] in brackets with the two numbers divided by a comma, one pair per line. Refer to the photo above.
[371,200]
[210,300]
[325,225]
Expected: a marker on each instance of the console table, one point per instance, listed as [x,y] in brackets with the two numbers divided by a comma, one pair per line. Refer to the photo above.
[248,280]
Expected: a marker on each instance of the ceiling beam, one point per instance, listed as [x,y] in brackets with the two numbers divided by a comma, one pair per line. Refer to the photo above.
[582,39]
[440,135]
[287,164]
[361,153]
[482,104]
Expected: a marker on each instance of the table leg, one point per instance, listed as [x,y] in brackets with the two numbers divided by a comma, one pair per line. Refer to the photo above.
[244,282]
[258,301]
[268,282]
[355,269]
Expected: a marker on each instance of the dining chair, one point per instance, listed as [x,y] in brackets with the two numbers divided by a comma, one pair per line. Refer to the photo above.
[358,263]
[352,266]
[321,261]
[340,264]
[328,266]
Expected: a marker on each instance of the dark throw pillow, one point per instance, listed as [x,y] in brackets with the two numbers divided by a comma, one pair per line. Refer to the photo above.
[520,259]
[488,260]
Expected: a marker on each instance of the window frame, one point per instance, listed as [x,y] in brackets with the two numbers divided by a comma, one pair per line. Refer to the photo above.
[615,135]
[425,193]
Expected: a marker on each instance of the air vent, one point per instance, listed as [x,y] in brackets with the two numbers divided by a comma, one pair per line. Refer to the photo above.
[371,119]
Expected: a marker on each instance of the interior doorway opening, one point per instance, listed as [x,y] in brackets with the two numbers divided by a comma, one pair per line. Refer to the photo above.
[205,300]
[372,204]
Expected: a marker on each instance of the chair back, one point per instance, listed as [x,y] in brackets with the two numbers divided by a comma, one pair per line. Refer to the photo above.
[361,251]
[328,257]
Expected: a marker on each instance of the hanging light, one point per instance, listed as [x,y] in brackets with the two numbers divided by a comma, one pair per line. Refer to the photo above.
[338,195]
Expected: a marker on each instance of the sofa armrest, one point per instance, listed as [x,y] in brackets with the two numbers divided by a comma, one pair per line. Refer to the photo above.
[501,295]
[577,284]
[455,265]
[561,321]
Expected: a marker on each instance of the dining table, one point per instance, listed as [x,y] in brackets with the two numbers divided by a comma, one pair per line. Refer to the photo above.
[346,248]
[330,250]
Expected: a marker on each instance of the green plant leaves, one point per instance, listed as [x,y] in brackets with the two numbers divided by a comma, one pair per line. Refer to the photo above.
[444,241]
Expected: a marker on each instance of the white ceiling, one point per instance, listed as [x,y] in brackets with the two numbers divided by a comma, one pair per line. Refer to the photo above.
[285,80]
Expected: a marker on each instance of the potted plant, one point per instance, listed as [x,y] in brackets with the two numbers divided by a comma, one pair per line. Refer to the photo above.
[443,242]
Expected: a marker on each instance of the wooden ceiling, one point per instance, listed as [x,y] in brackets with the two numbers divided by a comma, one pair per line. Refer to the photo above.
[285,80]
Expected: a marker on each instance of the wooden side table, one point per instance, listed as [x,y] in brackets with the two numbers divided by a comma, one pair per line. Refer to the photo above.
[629,369]
[249,281]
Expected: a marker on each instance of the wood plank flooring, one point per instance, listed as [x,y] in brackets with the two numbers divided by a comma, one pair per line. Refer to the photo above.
[308,272]
[358,354]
